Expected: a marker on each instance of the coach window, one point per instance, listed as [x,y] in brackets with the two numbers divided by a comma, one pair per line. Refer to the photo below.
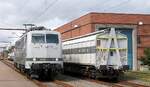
[98,42]
[22,43]
[38,38]
[111,53]
[52,38]
[25,39]
[17,44]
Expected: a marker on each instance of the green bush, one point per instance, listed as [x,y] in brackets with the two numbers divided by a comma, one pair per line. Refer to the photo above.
[146,58]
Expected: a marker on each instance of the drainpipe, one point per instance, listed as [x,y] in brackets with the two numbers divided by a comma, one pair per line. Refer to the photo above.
[140,23]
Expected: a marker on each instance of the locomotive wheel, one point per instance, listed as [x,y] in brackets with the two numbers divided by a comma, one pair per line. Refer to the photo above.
[92,74]
[52,76]
[47,75]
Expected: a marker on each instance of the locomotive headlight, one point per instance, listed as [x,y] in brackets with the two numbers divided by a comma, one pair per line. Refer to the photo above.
[56,59]
[34,59]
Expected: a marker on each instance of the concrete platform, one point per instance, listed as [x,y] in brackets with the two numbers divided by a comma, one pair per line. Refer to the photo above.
[11,78]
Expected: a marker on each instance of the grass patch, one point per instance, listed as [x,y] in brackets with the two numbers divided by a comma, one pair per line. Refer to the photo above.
[144,76]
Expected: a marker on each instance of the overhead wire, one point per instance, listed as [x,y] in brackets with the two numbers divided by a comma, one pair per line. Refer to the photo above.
[44,11]
[114,6]
[25,3]
[21,9]
[5,23]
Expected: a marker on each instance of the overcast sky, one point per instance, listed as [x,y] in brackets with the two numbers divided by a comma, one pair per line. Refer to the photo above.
[53,13]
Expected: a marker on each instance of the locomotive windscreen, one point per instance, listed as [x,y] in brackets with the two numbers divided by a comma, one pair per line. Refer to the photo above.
[40,38]
[51,38]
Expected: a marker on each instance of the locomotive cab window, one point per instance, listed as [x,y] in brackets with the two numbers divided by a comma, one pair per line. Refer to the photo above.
[52,38]
[38,38]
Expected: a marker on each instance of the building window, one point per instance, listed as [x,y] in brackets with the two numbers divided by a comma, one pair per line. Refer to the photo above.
[101,28]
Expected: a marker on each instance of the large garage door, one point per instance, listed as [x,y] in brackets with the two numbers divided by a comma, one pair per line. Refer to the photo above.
[128,32]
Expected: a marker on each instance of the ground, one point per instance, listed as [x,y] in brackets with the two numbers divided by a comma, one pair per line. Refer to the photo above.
[138,75]
[11,78]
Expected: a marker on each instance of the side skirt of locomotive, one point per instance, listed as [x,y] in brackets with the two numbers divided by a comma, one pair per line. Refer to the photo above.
[92,72]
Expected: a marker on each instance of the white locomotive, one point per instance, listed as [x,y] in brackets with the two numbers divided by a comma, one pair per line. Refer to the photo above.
[39,53]
[98,54]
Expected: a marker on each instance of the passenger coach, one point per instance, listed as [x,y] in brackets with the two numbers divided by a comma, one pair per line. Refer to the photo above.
[99,54]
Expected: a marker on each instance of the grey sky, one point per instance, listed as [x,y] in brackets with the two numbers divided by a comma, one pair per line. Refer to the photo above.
[53,13]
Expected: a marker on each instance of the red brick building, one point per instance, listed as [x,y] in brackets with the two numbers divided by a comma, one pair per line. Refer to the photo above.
[92,22]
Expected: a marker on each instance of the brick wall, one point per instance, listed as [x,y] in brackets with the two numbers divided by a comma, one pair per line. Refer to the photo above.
[86,24]
[144,38]
[69,30]
[113,18]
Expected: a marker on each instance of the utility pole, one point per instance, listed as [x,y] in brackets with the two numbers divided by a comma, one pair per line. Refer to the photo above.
[30,25]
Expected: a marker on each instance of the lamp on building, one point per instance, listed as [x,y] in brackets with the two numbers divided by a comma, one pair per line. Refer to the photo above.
[140,23]
[75,26]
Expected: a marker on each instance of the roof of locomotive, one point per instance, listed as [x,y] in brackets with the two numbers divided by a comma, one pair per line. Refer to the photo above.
[38,30]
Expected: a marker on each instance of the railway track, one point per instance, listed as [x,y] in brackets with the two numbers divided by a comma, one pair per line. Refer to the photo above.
[131,84]
[119,84]
[39,83]
[112,84]
[99,82]
[64,84]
